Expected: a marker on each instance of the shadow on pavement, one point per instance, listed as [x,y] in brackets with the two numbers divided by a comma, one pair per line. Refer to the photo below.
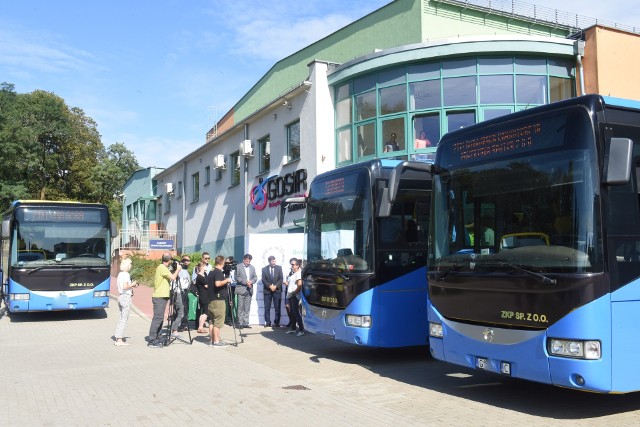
[416,367]
[56,316]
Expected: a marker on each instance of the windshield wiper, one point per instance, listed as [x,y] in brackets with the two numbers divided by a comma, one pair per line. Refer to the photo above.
[440,275]
[324,265]
[541,277]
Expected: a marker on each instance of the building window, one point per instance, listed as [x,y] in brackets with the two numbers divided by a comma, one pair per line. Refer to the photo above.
[167,203]
[207,175]
[264,151]
[344,146]
[195,186]
[235,168]
[293,141]
[179,190]
[343,106]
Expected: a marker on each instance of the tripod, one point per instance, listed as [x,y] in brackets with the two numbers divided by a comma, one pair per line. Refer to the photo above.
[171,315]
[234,317]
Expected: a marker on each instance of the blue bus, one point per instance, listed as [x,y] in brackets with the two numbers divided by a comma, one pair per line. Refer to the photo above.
[366,248]
[534,253]
[55,256]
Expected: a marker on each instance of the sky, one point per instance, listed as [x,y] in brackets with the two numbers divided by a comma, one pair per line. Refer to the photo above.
[155,75]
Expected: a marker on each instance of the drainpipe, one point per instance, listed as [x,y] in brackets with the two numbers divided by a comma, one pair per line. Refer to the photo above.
[578,50]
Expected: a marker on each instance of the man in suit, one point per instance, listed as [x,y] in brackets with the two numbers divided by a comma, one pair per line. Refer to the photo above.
[246,278]
[272,278]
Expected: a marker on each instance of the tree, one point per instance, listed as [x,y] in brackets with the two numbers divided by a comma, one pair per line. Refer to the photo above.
[112,170]
[54,152]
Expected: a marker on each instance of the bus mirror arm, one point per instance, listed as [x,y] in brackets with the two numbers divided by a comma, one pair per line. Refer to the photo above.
[285,203]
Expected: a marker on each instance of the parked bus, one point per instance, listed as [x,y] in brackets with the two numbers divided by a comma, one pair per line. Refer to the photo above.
[55,256]
[534,256]
[365,266]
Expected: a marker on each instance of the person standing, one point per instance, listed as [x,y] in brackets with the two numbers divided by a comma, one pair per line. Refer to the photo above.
[272,288]
[161,289]
[125,289]
[206,268]
[246,277]
[293,298]
[203,296]
[218,295]
[181,300]
[391,144]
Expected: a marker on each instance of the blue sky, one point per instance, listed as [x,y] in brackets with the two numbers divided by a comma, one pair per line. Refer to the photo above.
[155,74]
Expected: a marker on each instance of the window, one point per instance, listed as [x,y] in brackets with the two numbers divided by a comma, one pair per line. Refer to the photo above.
[264,151]
[235,168]
[460,119]
[344,145]
[207,175]
[179,190]
[195,184]
[365,105]
[426,131]
[293,141]
[393,99]
[496,89]
[459,91]
[425,95]
[343,106]
[531,90]
[393,134]
[366,140]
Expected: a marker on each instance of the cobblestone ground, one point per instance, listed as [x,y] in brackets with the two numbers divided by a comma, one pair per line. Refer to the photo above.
[63,369]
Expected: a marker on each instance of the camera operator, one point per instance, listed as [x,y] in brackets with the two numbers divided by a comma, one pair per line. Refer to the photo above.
[229,271]
[217,287]
[181,297]
[161,289]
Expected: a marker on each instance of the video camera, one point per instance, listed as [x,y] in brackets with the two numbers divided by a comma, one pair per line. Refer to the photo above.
[173,265]
[229,265]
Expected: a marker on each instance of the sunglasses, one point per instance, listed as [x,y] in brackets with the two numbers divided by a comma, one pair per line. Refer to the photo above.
[186,260]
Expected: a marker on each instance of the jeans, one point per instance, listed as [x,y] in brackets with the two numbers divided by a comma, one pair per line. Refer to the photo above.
[295,312]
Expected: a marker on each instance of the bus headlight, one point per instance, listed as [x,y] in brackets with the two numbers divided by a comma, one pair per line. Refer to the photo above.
[358,321]
[435,330]
[575,349]
[100,294]
[19,297]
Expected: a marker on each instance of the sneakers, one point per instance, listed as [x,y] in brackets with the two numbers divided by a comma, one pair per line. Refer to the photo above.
[175,334]
[299,334]
[218,344]
[120,343]
[291,331]
[155,344]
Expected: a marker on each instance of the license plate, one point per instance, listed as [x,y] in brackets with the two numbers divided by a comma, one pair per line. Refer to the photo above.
[482,363]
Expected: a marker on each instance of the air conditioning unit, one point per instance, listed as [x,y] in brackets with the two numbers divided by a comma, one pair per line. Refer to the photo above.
[168,188]
[267,149]
[246,150]
[218,161]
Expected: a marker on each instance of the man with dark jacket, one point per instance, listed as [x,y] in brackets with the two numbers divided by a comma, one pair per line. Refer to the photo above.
[272,278]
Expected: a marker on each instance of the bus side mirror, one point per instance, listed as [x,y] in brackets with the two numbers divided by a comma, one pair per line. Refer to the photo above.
[6,229]
[618,164]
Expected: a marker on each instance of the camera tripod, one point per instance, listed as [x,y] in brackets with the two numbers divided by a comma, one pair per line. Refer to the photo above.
[171,315]
[234,317]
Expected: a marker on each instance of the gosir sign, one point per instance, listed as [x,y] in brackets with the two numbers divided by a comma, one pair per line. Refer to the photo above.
[276,187]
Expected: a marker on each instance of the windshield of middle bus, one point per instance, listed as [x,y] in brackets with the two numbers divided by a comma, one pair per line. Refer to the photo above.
[45,236]
[339,221]
[534,209]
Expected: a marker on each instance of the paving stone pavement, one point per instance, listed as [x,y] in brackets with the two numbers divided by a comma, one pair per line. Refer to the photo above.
[63,369]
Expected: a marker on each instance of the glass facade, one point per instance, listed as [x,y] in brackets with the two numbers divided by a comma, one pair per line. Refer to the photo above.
[402,112]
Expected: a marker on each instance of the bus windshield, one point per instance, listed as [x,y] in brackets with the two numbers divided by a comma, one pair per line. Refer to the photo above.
[68,239]
[537,211]
[336,225]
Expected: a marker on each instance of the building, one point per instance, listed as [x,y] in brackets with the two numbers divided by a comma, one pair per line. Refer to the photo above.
[413,68]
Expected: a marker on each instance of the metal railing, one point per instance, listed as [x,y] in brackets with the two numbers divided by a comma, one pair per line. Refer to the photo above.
[535,13]
[135,239]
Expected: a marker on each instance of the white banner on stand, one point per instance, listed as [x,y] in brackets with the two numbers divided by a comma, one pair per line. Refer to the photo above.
[282,246]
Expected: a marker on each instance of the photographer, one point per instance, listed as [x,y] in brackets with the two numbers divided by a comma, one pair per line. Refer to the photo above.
[161,289]
[217,287]
[181,297]
[229,271]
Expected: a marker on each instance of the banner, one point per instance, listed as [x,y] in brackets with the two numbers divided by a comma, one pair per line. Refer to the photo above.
[282,246]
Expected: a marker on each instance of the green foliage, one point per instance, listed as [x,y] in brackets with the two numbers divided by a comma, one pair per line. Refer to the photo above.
[143,270]
[52,151]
